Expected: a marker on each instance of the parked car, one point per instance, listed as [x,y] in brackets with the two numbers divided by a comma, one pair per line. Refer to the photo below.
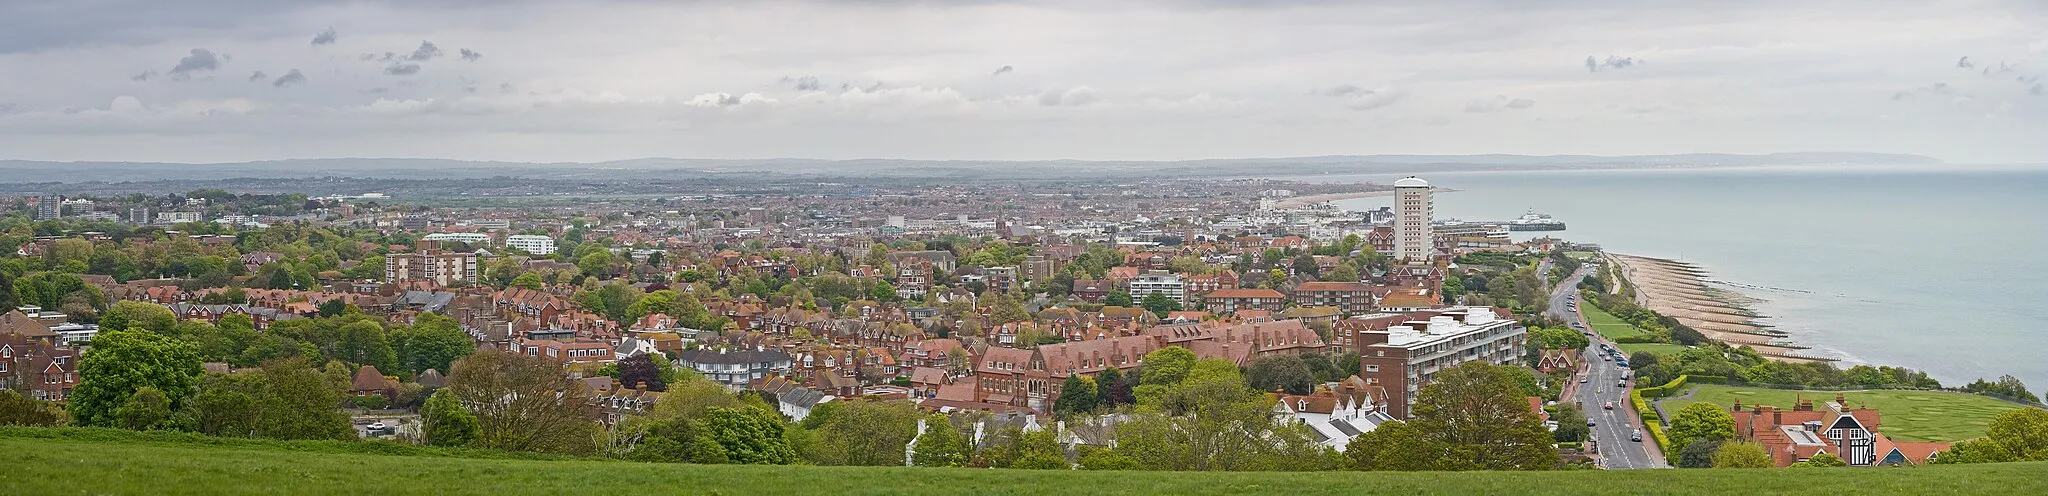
[1589,422]
[1582,380]
[1636,436]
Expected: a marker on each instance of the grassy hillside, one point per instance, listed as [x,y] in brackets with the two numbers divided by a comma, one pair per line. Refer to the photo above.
[1608,325]
[1904,415]
[87,462]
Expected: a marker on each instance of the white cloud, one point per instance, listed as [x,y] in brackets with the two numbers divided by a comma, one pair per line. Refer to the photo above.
[1294,78]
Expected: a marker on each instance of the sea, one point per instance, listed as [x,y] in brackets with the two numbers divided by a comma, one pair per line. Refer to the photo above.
[1937,268]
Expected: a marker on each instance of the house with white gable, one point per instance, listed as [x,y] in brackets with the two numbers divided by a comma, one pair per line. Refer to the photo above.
[1337,413]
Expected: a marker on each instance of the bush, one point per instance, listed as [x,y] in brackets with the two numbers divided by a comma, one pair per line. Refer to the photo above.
[104,434]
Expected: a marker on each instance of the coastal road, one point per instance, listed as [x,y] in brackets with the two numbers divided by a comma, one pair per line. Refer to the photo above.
[1612,429]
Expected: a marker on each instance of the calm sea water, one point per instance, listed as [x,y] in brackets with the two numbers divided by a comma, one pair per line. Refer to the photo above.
[1935,268]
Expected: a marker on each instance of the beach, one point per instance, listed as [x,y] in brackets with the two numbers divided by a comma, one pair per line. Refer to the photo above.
[1679,290]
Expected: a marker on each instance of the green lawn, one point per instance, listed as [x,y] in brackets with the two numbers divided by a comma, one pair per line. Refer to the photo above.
[1657,348]
[1608,325]
[1904,415]
[83,466]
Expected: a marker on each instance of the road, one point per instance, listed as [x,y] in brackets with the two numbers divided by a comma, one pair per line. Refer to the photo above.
[1603,384]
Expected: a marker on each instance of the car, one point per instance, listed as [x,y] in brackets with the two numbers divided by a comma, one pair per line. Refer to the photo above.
[1604,358]
[1582,380]
[1622,364]
[1621,384]
[1589,422]
[1608,406]
[376,426]
[1636,436]
[1624,376]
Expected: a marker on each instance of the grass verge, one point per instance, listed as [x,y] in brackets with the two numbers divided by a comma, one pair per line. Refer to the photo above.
[99,465]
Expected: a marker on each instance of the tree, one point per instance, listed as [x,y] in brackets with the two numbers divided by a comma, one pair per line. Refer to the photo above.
[1571,424]
[156,318]
[641,369]
[1344,272]
[749,435]
[867,432]
[522,403]
[435,342]
[597,263]
[1822,459]
[1699,453]
[527,280]
[1394,446]
[363,343]
[146,410]
[1077,396]
[1742,454]
[1480,413]
[1701,421]
[1118,298]
[1159,304]
[941,444]
[16,409]
[122,362]
[1167,365]
[1040,450]
[299,402]
[1641,359]
[1280,373]
[1111,389]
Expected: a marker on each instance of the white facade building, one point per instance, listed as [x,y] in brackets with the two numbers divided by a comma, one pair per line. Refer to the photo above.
[1168,284]
[471,238]
[531,243]
[1412,239]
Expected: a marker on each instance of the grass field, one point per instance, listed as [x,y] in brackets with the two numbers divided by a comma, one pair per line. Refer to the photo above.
[1657,348]
[87,466]
[1607,325]
[1904,415]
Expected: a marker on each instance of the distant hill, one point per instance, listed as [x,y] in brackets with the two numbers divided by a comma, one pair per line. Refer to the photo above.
[105,461]
[23,171]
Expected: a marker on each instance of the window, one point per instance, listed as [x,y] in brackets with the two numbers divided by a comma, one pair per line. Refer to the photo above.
[1372,368]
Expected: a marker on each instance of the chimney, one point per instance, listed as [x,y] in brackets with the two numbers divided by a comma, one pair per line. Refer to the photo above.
[640,386]
[1841,400]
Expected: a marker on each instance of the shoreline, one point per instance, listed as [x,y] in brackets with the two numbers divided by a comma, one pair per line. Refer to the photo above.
[1682,291]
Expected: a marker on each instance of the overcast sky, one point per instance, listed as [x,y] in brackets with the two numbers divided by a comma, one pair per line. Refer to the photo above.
[218,80]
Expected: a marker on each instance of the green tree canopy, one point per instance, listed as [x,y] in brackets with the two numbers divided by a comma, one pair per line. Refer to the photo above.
[1742,454]
[940,445]
[1701,421]
[1078,396]
[122,362]
[1280,373]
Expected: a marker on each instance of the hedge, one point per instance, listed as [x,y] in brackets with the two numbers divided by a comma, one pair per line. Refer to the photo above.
[1667,389]
[1708,379]
[1656,430]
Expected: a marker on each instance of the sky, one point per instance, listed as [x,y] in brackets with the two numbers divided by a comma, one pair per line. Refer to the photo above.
[571,80]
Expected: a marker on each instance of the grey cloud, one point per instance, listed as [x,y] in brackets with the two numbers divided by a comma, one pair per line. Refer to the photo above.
[1359,98]
[1938,89]
[258,76]
[387,57]
[402,69]
[1498,103]
[289,78]
[505,87]
[1964,63]
[1004,70]
[200,60]
[1071,97]
[1342,91]
[807,83]
[426,51]
[377,91]
[1595,64]
[2038,89]
[327,37]
[471,55]
[143,76]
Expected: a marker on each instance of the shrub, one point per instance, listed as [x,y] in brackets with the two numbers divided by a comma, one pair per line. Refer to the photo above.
[371,401]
